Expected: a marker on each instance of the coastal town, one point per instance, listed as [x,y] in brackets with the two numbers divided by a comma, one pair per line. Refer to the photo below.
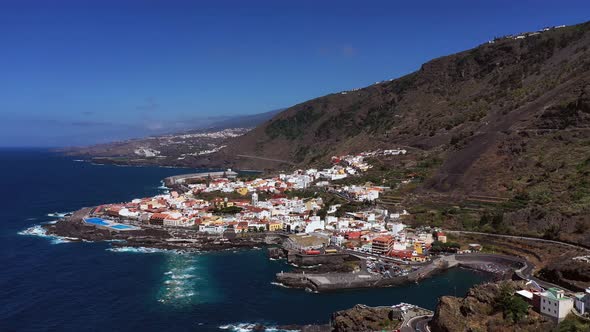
[282,166]
[273,205]
[331,245]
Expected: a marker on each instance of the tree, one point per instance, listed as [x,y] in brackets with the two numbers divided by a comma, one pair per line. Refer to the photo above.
[514,308]
[438,246]
[228,210]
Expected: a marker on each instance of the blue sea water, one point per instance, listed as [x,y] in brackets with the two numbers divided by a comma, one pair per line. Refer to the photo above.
[49,285]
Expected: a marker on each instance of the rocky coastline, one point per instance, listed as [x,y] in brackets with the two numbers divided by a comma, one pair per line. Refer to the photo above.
[74,228]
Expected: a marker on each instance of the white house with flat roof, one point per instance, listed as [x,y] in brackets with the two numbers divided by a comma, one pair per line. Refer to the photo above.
[555,304]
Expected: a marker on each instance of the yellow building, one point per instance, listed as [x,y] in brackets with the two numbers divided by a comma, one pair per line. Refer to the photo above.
[418,248]
[275,226]
[242,191]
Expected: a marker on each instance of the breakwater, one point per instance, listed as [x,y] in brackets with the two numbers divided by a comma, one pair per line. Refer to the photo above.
[186,178]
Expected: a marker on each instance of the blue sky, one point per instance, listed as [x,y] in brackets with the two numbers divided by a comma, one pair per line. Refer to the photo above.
[86,71]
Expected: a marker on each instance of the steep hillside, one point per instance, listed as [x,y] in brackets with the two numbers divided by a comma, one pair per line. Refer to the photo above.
[509,119]
[451,103]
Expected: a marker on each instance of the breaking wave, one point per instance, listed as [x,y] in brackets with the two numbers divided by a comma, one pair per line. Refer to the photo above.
[39,231]
[248,327]
[145,250]
[58,214]
[182,283]
[163,186]
[279,284]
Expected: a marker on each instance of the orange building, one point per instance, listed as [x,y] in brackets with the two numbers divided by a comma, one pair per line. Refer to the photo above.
[382,245]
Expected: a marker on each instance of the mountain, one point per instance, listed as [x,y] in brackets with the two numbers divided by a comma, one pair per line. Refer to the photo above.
[505,125]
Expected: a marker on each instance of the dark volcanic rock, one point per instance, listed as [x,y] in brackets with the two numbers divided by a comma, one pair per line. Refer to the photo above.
[362,318]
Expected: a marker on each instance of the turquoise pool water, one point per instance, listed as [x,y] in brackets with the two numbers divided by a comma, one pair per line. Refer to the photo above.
[122,227]
[102,222]
[96,221]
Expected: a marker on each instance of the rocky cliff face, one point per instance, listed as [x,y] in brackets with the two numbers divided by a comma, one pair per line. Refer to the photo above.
[478,312]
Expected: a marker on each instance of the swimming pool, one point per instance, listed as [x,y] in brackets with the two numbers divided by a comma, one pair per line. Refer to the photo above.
[123,227]
[96,221]
[110,224]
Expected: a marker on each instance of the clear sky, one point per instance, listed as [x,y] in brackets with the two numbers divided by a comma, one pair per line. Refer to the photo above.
[85,71]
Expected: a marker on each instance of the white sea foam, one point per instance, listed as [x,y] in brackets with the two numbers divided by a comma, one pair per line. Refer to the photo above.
[143,250]
[248,327]
[279,284]
[39,231]
[179,282]
[58,214]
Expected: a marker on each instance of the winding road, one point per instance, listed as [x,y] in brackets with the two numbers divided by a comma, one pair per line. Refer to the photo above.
[522,238]
[417,324]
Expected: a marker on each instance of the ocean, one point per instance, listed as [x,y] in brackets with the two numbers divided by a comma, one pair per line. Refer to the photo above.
[49,284]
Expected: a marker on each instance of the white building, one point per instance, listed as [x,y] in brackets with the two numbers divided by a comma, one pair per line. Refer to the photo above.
[314,223]
[582,301]
[125,213]
[555,304]
[212,229]
[397,227]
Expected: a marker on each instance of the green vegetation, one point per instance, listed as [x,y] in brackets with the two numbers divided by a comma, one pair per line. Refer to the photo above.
[351,207]
[438,246]
[513,307]
[228,210]
[573,324]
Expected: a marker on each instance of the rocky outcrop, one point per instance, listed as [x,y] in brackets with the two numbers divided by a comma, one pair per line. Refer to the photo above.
[362,318]
[478,312]
[74,228]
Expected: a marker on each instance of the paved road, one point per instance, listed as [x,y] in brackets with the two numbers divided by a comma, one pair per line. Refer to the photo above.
[526,272]
[417,324]
[267,159]
[421,324]
[523,238]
